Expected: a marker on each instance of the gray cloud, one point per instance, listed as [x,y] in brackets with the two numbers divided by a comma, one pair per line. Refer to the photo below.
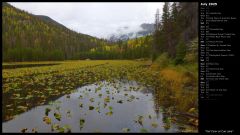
[96,19]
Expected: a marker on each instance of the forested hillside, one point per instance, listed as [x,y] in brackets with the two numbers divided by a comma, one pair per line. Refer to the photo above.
[28,37]
[130,49]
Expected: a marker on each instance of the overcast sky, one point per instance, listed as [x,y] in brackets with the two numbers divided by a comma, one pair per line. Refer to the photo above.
[95,19]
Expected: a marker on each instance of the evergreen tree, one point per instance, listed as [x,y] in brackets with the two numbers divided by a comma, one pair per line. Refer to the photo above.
[181,52]
[166,14]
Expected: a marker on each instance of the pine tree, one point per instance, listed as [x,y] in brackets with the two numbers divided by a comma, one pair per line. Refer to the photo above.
[166,14]
[155,45]
[174,13]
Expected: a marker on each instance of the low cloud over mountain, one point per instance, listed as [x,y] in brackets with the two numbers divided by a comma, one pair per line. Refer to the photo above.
[127,32]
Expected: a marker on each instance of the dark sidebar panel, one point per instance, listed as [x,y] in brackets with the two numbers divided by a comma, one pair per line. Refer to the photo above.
[218,67]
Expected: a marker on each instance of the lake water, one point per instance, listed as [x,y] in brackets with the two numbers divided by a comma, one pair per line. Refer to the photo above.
[101,107]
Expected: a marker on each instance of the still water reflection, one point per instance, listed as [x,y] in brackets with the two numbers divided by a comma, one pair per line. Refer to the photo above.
[120,106]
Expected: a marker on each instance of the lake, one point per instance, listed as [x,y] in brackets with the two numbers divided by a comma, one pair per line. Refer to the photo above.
[118,106]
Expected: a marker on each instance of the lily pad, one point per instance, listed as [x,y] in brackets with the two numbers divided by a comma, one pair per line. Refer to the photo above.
[47,120]
[47,110]
[120,101]
[143,130]
[69,113]
[140,120]
[61,130]
[82,121]
[55,127]
[57,116]
[132,97]
[91,99]
[110,108]
[24,130]
[125,129]
[98,109]
[109,113]
[107,99]
[91,107]
[154,124]
[105,105]
[34,130]
[68,128]
[80,97]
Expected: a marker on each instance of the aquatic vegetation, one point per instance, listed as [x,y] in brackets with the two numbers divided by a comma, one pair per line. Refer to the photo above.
[28,87]
[57,116]
[91,99]
[154,124]
[109,113]
[24,130]
[69,113]
[91,107]
[80,97]
[81,121]
[47,120]
[107,99]
[140,120]
[125,129]
[59,129]
[143,130]
[55,127]
[98,109]
[47,110]
[34,130]
[67,128]
[81,105]
[120,101]
[22,108]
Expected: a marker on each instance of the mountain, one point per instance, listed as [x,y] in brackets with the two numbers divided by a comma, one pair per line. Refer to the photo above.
[28,37]
[49,20]
[125,33]
[146,29]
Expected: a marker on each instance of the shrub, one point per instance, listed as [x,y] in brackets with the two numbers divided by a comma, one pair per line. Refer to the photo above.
[163,60]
